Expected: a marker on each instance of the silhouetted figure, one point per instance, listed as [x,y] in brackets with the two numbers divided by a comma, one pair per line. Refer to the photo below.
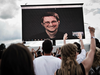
[17,60]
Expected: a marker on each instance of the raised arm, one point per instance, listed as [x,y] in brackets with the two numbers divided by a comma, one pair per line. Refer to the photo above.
[82,55]
[65,37]
[80,38]
[38,49]
[34,52]
[57,51]
[87,63]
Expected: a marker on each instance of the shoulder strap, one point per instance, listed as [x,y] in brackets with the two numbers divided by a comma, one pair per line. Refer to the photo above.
[83,69]
[57,72]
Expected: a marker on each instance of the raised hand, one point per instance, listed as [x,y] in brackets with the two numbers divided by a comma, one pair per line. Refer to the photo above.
[79,35]
[92,30]
[65,36]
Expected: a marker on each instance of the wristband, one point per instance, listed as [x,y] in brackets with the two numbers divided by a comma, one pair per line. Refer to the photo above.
[80,39]
[93,37]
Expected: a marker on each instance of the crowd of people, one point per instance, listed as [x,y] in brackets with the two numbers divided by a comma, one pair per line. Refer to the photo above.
[69,59]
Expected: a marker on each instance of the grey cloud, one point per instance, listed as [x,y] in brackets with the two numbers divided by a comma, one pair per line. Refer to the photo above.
[8,9]
[95,1]
[8,32]
[59,0]
[97,11]
[3,2]
[93,6]
[88,11]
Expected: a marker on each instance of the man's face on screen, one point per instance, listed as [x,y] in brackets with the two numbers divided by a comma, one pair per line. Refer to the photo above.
[50,23]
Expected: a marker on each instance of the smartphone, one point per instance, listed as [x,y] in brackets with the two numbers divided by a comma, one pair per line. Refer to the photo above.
[76,33]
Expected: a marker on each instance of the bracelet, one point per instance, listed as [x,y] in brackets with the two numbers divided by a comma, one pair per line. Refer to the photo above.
[93,37]
[80,39]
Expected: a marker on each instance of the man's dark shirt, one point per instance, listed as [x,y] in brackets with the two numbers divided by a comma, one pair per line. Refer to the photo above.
[43,35]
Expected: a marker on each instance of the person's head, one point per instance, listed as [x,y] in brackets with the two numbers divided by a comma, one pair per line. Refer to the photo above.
[50,21]
[68,51]
[69,64]
[47,46]
[59,48]
[24,42]
[2,48]
[17,60]
[54,54]
[96,61]
[78,47]
[97,42]
[39,53]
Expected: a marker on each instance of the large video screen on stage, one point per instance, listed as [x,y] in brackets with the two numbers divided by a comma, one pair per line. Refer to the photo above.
[52,21]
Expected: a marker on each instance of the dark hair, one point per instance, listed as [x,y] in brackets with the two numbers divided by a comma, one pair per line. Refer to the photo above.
[17,60]
[24,42]
[39,54]
[59,48]
[2,48]
[50,14]
[78,47]
[1,54]
[97,42]
[47,46]
[54,53]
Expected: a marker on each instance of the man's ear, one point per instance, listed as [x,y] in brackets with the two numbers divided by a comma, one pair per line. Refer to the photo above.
[42,24]
[52,48]
[58,21]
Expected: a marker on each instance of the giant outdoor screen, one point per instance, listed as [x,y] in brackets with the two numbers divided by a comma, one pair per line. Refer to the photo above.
[51,21]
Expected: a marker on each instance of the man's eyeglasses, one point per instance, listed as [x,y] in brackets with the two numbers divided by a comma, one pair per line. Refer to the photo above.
[47,23]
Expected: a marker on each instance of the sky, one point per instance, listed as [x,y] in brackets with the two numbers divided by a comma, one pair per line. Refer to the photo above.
[11,19]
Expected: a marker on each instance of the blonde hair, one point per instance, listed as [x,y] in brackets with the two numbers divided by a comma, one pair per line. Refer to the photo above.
[69,64]
[96,61]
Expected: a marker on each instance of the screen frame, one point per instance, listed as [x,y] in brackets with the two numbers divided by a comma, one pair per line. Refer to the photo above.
[47,6]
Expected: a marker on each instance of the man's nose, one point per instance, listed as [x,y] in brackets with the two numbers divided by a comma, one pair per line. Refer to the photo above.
[50,24]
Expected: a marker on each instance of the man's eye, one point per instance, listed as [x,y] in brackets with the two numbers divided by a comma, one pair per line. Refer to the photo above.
[54,21]
[47,22]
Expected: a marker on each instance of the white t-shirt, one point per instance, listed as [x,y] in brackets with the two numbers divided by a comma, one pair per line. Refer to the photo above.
[46,65]
[81,56]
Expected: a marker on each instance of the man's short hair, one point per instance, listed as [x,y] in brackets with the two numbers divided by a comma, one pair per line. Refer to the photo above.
[50,14]
[2,46]
[97,42]
[78,47]
[47,46]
